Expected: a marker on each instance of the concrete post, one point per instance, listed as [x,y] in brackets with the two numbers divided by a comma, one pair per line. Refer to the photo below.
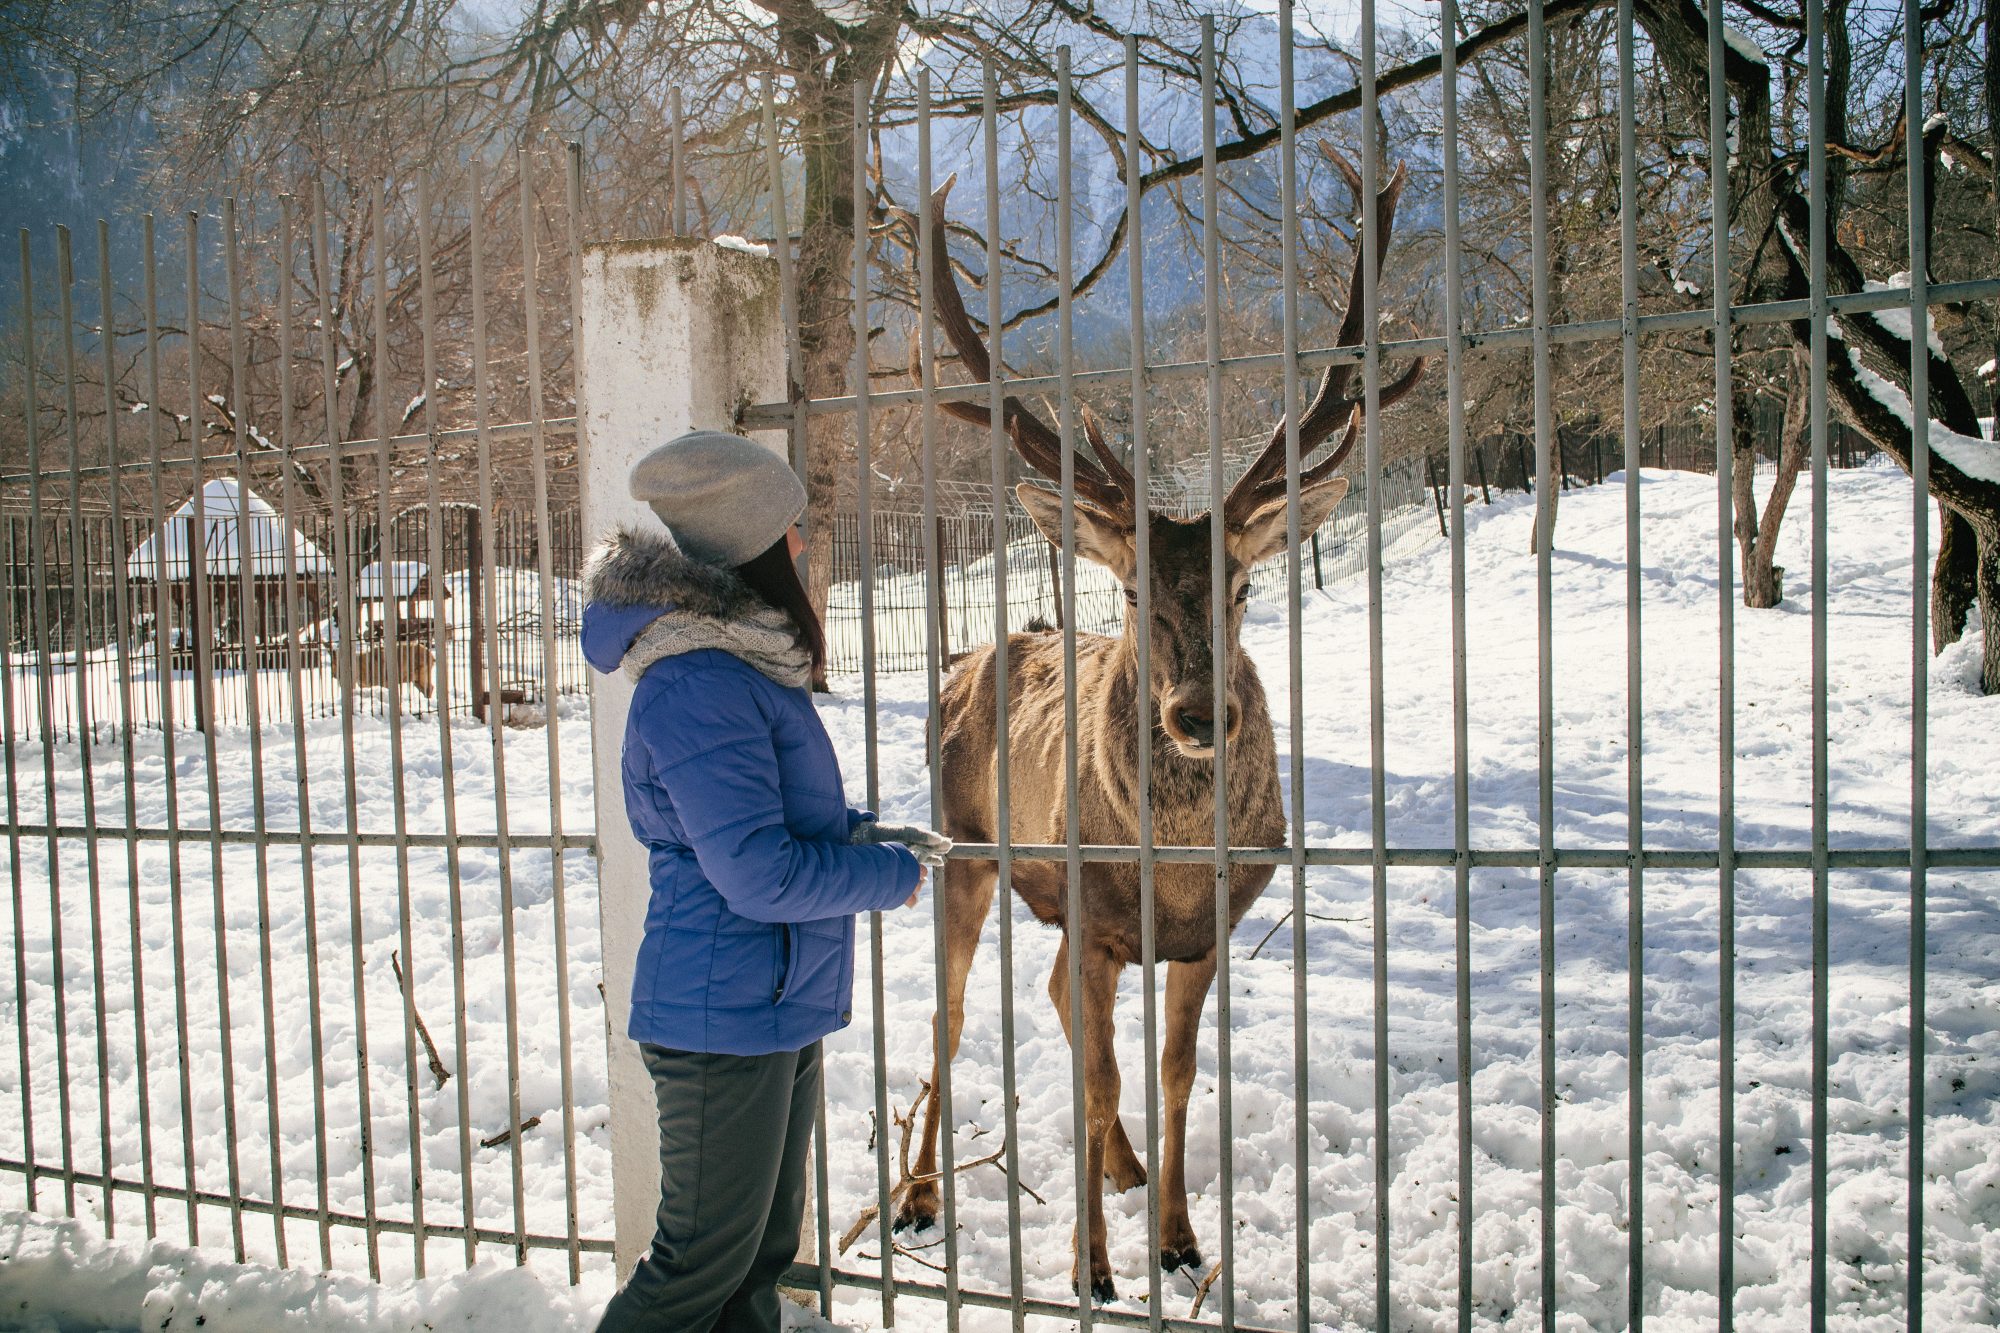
[677,334]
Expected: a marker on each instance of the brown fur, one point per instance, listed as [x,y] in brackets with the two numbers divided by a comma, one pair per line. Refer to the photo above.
[416,667]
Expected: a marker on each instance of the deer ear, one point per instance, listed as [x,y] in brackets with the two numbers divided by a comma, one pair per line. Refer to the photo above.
[1100,535]
[1262,534]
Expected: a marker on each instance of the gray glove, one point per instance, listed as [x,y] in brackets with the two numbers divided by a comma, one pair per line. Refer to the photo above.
[930,847]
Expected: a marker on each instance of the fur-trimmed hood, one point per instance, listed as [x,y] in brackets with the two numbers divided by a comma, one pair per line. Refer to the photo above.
[634,568]
[632,578]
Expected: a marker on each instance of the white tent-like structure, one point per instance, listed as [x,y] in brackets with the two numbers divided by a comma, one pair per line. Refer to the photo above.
[235,523]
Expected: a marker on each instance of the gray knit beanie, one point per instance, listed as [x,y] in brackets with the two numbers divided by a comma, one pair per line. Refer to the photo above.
[724,498]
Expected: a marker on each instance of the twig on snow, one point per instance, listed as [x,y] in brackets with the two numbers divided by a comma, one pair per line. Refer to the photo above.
[1201,1292]
[908,1123]
[1287,917]
[438,1071]
[506,1134]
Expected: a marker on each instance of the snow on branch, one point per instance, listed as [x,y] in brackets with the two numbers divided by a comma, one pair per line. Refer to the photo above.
[1976,458]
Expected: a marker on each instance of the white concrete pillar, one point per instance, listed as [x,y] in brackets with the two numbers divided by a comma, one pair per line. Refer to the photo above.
[677,334]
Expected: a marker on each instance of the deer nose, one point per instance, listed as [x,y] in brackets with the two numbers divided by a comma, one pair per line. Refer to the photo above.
[1198,721]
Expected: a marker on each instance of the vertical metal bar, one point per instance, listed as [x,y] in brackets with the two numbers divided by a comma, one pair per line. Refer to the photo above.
[1725,554]
[1075,927]
[202,596]
[308,887]
[545,581]
[38,559]
[250,566]
[573,188]
[1816,263]
[163,602]
[336,466]
[441,649]
[121,594]
[494,723]
[16,881]
[86,728]
[796,430]
[864,526]
[936,644]
[1218,597]
[1635,788]
[389,585]
[1288,195]
[1920,558]
[1142,611]
[1545,500]
[999,452]
[677,165]
[1371,449]
[1461,750]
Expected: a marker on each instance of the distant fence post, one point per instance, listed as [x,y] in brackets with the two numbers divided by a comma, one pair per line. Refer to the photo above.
[198,629]
[675,334]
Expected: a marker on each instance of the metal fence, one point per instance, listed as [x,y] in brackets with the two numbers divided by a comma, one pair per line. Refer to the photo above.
[459,883]
[1071,849]
[302,982]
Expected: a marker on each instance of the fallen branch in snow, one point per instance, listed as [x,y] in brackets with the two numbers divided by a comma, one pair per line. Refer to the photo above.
[907,1253]
[438,1071]
[1287,917]
[908,1125]
[1201,1292]
[506,1134]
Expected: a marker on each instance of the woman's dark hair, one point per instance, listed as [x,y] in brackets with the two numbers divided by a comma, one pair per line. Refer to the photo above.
[773,577]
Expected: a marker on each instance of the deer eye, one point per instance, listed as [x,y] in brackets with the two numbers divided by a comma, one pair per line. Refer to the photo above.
[1131,597]
[1243,594]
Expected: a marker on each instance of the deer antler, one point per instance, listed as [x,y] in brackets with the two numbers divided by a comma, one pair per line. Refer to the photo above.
[1106,482]
[1333,405]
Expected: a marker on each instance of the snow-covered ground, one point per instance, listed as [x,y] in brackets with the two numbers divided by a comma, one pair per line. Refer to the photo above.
[1868,707]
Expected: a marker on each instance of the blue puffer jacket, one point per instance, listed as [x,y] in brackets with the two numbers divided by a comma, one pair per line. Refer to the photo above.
[732,785]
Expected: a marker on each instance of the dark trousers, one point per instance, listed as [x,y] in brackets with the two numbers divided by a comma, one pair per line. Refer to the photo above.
[734,1130]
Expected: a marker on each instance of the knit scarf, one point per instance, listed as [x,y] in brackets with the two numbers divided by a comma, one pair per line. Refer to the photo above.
[765,638]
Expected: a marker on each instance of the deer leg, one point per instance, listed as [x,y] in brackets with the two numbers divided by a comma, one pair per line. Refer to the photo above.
[1122,1168]
[1187,992]
[1100,1101]
[969,885]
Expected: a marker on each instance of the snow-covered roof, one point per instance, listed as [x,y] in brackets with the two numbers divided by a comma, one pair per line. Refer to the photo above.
[402,578]
[228,513]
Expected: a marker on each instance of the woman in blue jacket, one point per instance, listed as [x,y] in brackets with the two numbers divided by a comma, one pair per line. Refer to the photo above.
[757,867]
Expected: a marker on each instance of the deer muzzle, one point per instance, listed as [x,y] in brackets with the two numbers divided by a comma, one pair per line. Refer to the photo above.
[1189,718]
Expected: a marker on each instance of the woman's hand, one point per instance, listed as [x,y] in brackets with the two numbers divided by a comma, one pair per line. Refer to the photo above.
[923,877]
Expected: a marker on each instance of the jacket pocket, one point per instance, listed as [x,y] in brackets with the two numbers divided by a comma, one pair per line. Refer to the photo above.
[788,960]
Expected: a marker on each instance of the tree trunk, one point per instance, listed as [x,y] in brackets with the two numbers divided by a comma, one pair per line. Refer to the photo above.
[825,74]
[1988,578]
[1743,493]
[1954,578]
[1763,581]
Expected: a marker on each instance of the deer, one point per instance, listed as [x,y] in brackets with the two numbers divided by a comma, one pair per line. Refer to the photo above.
[1173,712]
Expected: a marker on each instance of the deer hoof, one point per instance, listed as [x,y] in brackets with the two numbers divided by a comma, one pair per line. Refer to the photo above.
[1174,1259]
[1102,1290]
[916,1214]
